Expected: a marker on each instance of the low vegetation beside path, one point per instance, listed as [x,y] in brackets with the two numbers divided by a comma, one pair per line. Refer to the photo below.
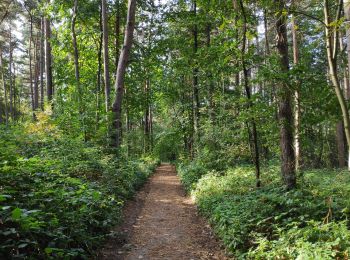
[310,222]
[59,197]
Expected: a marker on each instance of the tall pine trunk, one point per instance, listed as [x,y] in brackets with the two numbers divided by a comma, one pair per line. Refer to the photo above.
[105,54]
[285,113]
[48,59]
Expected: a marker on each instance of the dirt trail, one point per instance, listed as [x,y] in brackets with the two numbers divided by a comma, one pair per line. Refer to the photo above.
[162,223]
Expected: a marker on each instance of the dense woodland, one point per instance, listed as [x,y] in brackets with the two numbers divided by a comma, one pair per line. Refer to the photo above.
[250,100]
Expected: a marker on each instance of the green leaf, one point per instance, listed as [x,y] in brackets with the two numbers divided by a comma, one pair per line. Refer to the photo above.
[16,214]
[48,250]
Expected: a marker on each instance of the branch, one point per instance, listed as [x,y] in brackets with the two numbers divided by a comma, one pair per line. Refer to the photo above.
[308,15]
[6,13]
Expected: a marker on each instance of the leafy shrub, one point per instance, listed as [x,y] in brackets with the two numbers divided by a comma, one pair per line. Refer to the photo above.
[272,223]
[190,174]
[59,197]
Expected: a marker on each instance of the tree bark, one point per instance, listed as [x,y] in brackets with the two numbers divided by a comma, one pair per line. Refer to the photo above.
[10,76]
[105,54]
[254,141]
[36,73]
[285,100]
[347,18]
[4,88]
[42,62]
[195,75]
[297,111]
[332,38]
[48,59]
[117,34]
[31,67]
[122,64]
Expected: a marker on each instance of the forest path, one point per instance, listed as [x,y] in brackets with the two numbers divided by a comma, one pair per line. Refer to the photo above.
[162,223]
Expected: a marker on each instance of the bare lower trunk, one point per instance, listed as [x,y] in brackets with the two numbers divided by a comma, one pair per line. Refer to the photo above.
[105,54]
[285,114]
[254,135]
[42,63]
[48,59]
[4,88]
[76,68]
[30,67]
[297,116]
[332,53]
[347,91]
[11,79]
[123,60]
[36,74]
[196,102]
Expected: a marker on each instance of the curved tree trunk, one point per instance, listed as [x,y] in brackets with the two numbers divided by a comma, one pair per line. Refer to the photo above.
[122,63]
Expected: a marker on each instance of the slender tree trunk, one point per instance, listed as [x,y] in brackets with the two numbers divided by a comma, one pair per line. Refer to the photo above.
[4,88]
[105,54]
[332,53]
[285,102]
[210,79]
[48,59]
[297,111]
[147,117]
[10,76]
[255,148]
[31,67]
[76,68]
[36,73]
[347,17]
[15,94]
[117,34]
[42,62]
[195,75]
[99,71]
[123,60]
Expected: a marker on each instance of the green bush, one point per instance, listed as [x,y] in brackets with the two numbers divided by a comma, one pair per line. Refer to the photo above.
[190,174]
[60,197]
[270,222]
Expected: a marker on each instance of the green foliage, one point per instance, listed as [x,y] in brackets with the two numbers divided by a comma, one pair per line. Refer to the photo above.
[59,197]
[268,223]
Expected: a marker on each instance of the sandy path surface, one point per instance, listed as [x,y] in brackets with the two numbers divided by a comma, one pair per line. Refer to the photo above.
[162,223]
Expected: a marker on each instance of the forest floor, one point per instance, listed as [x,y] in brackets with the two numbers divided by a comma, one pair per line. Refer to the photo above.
[162,223]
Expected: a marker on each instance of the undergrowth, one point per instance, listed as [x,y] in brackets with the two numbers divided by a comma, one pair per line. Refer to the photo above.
[310,222]
[59,197]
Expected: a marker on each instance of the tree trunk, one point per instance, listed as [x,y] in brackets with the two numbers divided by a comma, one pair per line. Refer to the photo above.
[347,17]
[48,59]
[105,54]
[31,67]
[285,101]
[332,53]
[10,77]
[195,75]
[36,73]
[42,62]
[76,68]
[4,88]
[117,34]
[254,141]
[297,111]
[99,76]
[123,60]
